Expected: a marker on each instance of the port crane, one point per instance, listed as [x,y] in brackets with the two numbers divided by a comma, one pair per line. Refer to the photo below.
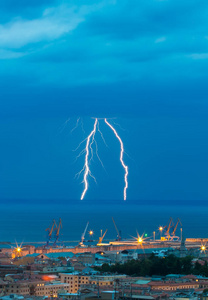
[171,230]
[118,232]
[83,235]
[171,224]
[174,230]
[173,236]
[53,232]
[50,232]
[57,231]
[101,237]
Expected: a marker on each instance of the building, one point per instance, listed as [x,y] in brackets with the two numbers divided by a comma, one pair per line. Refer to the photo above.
[87,258]
[34,288]
[77,281]
[51,289]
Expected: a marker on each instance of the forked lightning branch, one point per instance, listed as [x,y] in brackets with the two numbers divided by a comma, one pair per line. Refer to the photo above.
[88,152]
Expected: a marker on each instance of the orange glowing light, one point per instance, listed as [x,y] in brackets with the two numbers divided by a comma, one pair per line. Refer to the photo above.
[161,228]
[139,240]
[91,232]
[49,277]
[203,248]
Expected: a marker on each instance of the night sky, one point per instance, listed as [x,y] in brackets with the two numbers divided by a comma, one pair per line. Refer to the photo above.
[143,63]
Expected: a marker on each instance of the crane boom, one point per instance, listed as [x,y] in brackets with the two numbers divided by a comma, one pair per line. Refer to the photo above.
[102,237]
[83,235]
[118,233]
[50,230]
[169,227]
[174,230]
[59,227]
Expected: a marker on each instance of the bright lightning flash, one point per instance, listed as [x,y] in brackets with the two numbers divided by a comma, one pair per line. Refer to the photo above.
[88,150]
[121,157]
[86,165]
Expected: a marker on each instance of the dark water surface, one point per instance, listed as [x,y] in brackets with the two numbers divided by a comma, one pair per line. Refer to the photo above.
[27,222]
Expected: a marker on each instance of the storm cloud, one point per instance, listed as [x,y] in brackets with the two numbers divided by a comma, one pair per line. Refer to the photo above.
[101,48]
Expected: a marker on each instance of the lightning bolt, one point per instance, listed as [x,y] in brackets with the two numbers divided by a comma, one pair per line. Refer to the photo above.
[61,129]
[82,126]
[77,123]
[88,148]
[121,157]
[89,153]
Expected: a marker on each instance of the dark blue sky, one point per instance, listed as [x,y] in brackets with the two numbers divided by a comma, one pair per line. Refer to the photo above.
[144,62]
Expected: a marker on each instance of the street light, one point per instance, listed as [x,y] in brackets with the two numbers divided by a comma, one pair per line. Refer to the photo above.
[161,230]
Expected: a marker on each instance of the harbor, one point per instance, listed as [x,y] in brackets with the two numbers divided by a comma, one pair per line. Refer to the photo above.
[168,237]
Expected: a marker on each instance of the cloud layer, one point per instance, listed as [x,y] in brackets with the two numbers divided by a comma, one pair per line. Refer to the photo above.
[143,47]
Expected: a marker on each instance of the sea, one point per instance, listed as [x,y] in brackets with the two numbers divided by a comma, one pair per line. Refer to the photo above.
[26,221]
